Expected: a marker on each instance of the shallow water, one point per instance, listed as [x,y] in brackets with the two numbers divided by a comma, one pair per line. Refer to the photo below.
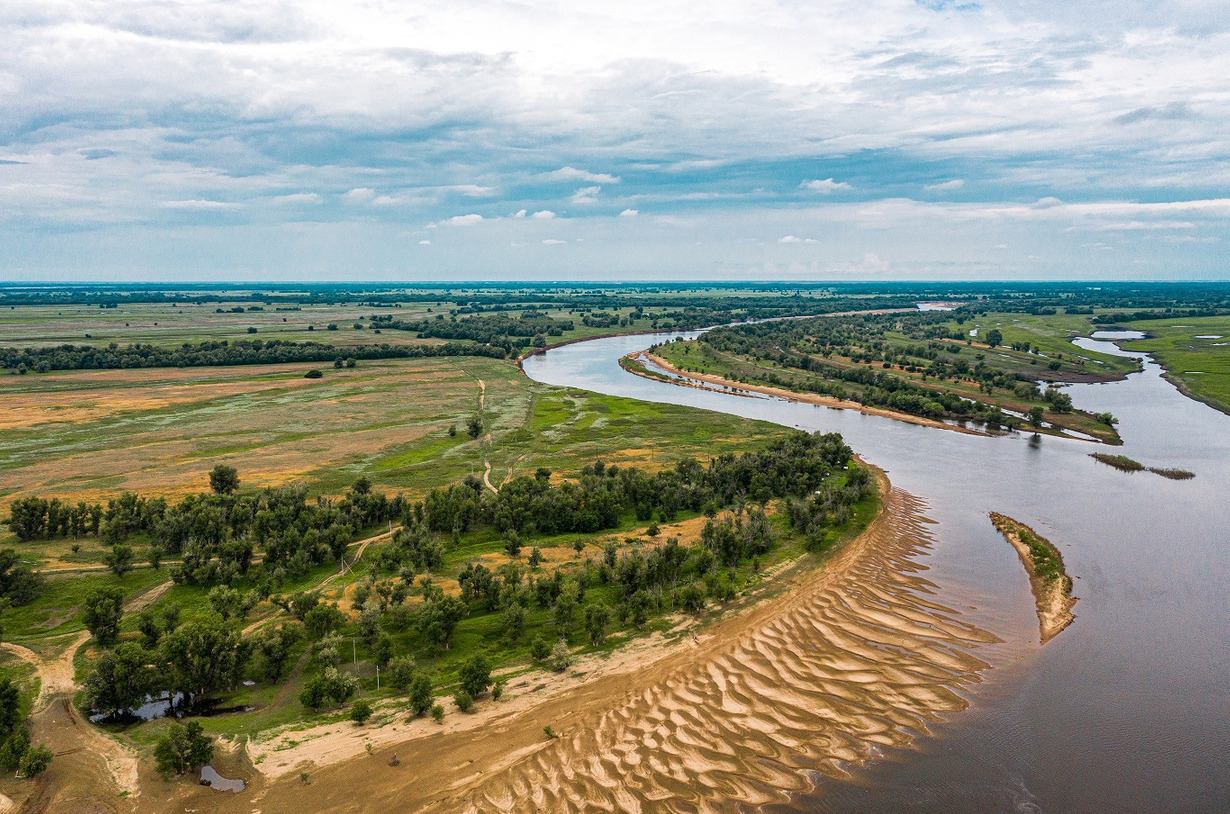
[1128,709]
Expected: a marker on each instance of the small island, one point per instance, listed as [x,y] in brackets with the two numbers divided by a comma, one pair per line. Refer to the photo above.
[1051,585]
[1125,464]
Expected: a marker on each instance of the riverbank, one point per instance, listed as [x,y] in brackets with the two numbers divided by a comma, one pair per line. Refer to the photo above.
[790,395]
[836,663]
[1051,585]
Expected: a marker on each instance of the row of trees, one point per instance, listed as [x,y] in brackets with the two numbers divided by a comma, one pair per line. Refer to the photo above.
[219,353]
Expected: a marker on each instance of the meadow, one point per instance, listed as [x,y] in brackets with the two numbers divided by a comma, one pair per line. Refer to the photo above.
[1195,352]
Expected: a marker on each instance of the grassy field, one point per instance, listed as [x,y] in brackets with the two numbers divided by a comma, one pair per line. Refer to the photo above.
[1195,353]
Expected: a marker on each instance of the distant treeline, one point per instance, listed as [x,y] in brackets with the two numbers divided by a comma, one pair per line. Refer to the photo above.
[219,353]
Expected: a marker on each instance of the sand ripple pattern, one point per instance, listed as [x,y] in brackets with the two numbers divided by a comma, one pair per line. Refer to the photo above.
[858,657]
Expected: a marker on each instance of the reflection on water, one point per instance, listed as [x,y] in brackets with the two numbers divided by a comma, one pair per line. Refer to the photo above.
[1129,709]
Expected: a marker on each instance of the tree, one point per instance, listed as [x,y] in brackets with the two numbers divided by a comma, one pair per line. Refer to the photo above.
[121,679]
[540,649]
[421,693]
[400,673]
[475,674]
[183,748]
[18,583]
[512,543]
[224,479]
[119,559]
[331,685]
[226,602]
[204,656]
[463,700]
[360,711]
[597,617]
[274,646]
[1035,416]
[561,658]
[438,618]
[322,620]
[474,426]
[513,619]
[10,706]
[994,338]
[104,607]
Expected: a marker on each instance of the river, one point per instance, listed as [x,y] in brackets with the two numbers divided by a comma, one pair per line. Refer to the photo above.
[1128,710]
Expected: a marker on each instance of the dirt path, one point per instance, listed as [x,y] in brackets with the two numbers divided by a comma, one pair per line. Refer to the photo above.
[482,395]
[487,476]
[844,660]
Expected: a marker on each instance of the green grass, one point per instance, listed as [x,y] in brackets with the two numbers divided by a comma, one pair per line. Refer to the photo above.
[1199,367]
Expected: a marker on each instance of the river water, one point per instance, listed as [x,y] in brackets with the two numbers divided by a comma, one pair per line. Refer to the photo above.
[1128,710]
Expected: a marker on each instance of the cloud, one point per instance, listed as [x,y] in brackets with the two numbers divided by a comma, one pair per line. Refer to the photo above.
[789,239]
[298,198]
[545,214]
[629,213]
[463,220]
[520,213]
[573,174]
[1170,112]
[944,186]
[470,190]
[95,153]
[825,186]
[201,205]
[586,195]
[552,242]
[424,242]
[359,195]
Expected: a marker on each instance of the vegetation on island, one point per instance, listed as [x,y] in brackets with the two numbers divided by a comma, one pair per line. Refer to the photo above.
[1050,583]
[1125,464]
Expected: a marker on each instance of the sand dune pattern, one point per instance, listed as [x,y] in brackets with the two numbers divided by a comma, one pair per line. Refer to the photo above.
[857,657]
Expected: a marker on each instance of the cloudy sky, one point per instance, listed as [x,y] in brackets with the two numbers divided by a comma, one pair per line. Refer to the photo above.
[659,139]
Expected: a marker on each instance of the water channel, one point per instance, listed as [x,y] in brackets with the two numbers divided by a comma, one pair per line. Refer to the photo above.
[1128,710]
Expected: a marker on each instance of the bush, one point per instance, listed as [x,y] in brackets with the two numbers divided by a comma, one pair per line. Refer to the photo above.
[463,700]
[36,761]
[360,712]
[421,693]
[539,649]
[561,658]
[437,713]
[314,374]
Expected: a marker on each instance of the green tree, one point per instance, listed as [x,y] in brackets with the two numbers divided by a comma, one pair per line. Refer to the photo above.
[1035,416]
[439,617]
[597,617]
[512,543]
[994,337]
[401,673]
[19,584]
[10,706]
[104,607]
[274,646]
[474,426]
[121,679]
[421,693]
[224,479]
[322,620]
[204,656]
[513,619]
[183,748]
[475,674]
[119,559]
[463,700]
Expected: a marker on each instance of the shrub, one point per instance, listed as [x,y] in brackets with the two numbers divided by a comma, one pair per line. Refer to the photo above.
[360,712]
[437,713]
[561,658]
[314,374]
[36,761]
[463,700]
[182,748]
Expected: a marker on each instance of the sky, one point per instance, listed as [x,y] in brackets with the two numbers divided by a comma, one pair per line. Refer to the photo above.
[758,140]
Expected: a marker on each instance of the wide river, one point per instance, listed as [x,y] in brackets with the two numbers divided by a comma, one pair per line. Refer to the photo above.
[1128,710]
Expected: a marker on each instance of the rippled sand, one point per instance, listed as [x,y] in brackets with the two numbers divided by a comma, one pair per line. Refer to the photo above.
[858,657]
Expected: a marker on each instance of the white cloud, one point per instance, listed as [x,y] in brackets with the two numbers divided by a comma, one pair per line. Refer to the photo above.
[519,214]
[573,174]
[629,213]
[385,200]
[586,195]
[470,190]
[552,242]
[464,220]
[789,239]
[203,205]
[298,198]
[826,185]
[360,195]
[424,242]
[955,183]
[545,214]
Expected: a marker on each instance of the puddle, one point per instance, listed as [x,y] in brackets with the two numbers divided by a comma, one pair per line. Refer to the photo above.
[211,778]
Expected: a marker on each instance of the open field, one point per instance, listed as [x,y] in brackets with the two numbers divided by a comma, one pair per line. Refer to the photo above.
[1195,353]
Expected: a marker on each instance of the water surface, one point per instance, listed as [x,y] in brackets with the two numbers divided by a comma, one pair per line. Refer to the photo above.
[1128,710]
